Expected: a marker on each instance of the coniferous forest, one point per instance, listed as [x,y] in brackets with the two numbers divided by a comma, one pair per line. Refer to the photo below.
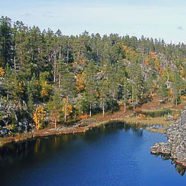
[47,78]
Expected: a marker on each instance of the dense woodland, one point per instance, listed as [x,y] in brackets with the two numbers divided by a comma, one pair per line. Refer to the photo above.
[48,78]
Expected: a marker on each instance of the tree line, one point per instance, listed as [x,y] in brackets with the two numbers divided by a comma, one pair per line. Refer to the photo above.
[48,77]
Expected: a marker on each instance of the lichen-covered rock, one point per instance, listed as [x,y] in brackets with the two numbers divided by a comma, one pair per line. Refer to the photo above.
[14,120]
[161,148]
[176,142]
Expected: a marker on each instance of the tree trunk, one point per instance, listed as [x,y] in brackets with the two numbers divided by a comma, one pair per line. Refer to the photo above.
[124,107]
[59,80]
[176,101]
[90,112]
[55,123]
[54,67]
[67,55]
[65,113]
[15,66]
[103,108]
[133,97]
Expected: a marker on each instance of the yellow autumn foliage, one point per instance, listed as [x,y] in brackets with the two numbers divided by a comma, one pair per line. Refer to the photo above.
[183,72]
[130,53]
[2,72]
[39,116]
[170,92]
[67,107]
[80,82]
[20,87]
[157,64]
[153,55]
[44,92]
[45,89]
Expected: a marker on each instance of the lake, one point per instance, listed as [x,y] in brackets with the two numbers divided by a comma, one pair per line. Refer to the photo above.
[105,156]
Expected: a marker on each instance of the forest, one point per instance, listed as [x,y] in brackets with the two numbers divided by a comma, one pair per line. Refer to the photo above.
[47,78]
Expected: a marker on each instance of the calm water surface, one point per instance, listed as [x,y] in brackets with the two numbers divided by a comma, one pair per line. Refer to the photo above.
[110,156]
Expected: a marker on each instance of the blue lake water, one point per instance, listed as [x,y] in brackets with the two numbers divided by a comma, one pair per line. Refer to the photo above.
[106,156]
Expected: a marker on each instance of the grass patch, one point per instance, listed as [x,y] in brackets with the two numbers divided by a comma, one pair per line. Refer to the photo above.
[148,121]
[156,113]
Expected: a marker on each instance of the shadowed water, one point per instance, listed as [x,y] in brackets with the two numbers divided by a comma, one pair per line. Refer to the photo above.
[106,156]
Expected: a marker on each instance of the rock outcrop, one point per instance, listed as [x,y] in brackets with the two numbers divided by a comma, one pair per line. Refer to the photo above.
[175,148]
[13,120]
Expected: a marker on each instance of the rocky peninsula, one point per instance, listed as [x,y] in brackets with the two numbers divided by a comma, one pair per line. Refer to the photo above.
[175,147]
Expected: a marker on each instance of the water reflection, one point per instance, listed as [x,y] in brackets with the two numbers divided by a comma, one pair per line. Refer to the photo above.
[40,149]
[180,169]
[137,131]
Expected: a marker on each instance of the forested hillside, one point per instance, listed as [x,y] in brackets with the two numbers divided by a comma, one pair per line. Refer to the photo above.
[48,78]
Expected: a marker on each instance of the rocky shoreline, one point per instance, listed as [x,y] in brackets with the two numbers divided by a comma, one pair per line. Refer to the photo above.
[175,147]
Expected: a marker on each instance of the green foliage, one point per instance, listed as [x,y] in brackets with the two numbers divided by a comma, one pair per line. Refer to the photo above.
[85,74]
[6,42]
[55,106]
[163,90]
